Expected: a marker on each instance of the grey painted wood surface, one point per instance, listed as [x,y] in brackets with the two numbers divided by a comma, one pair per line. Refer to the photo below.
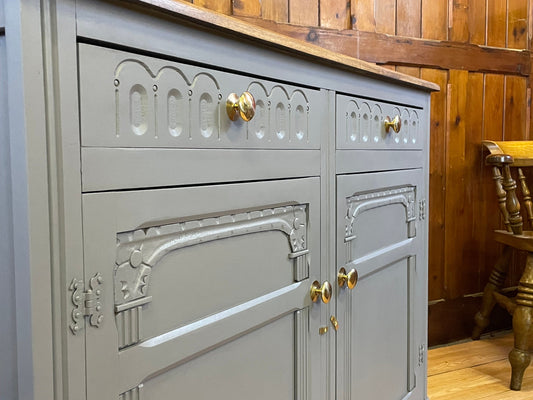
[377,221]
[231,293]
[29,191]
[220,250]
[8,338]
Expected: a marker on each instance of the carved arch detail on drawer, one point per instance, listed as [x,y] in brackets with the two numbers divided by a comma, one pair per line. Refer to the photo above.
[360,203]
[361,124]
[182,106]
[280,116]
[161,103]
[139,251]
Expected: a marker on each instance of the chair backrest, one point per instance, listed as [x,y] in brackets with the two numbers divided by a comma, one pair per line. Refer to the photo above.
[503,157]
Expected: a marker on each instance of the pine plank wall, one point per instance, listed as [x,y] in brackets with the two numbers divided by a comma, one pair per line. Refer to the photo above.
[478,51]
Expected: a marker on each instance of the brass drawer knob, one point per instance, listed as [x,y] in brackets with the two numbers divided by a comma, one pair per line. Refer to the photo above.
[350,278]
[395,124]
[243,106]
[323,291]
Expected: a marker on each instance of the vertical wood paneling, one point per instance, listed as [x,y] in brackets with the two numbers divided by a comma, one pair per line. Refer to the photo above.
[247,8]
[303,12]
[385,16]
[435,19]
[437,182]
[454,243]
[459,20]
[275,10]
[363,15]
[221,6]
[475,213]
[408,18]
[477,21]
[335,14]
[496,23]
[515,108]
[517,27]
[530,23]
[494,95]
[493,123]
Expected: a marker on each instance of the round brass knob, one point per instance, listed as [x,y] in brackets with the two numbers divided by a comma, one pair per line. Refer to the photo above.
[350,278]
[395,124]
[243,106]
[324,291]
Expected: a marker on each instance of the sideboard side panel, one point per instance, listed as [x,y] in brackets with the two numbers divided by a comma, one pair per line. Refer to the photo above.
[8,336]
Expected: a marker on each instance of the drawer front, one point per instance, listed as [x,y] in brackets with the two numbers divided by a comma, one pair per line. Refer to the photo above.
[361,125]
[130,100]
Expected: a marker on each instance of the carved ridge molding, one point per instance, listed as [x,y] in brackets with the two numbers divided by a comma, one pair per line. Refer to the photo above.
[360,203]
[139,251]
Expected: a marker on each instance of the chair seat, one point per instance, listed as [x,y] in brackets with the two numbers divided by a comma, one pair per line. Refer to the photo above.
[520,242]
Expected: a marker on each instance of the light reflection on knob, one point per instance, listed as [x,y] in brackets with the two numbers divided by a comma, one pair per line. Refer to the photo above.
[323,291]
[350,278]
[243,106]
[395,124]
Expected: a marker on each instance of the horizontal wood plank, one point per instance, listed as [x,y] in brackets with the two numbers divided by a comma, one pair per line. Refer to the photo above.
[387,49]
[475,371]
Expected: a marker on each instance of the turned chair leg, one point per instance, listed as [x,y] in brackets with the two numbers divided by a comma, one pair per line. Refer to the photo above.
[495,283]
[522,326]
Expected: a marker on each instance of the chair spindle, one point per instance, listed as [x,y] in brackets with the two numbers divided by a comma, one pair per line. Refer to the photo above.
[526,195]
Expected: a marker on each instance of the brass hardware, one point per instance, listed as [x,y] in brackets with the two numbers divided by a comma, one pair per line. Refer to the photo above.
[395,124]
[350,278]
[323,330]
[334,322]
[324,291]
[243,106]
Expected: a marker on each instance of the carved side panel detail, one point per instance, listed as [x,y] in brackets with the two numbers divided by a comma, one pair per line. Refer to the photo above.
[367,201]
[133,394]
[128,326]
[301,332]
[139,251]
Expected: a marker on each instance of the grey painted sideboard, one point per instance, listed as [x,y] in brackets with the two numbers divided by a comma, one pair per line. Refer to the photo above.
[154,248]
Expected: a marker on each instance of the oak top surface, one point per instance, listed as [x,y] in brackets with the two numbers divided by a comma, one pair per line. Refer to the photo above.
[211,19]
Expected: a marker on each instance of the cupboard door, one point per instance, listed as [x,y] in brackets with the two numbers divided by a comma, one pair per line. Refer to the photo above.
[377,345]
[204,291]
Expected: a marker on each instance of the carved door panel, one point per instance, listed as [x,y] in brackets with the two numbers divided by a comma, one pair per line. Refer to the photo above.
[377,345]
[203,291]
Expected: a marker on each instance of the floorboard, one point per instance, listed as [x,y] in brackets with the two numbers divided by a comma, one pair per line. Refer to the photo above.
[475,370]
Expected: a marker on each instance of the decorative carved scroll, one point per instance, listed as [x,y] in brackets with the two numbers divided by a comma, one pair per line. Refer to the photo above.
[360,203]
[139,251]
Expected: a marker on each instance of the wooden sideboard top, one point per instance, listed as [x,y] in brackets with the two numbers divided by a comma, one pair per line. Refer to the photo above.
[201,16]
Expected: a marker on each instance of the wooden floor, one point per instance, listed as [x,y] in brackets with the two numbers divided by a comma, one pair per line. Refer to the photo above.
[475,370]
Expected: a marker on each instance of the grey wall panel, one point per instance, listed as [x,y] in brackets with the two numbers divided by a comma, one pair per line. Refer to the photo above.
[8,343]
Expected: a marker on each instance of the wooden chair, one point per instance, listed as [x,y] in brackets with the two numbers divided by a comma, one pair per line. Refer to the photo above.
[503,158]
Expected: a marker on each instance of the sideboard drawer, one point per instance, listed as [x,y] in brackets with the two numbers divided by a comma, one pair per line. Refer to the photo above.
[361,124]
[132,100]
